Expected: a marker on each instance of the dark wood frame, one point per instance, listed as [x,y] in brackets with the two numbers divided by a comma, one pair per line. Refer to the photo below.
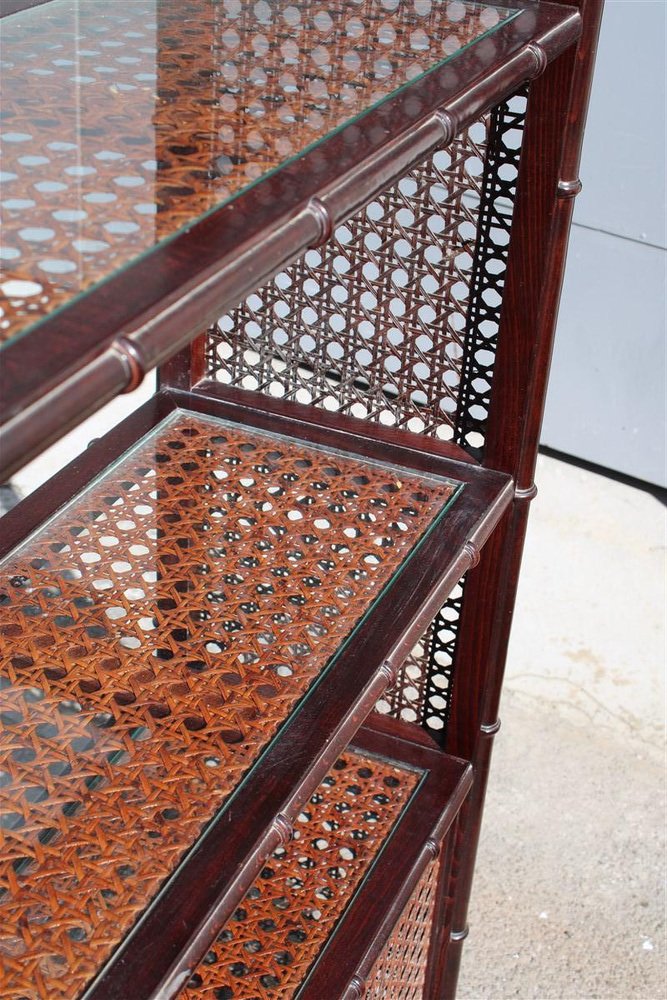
[172,296]
[548,183]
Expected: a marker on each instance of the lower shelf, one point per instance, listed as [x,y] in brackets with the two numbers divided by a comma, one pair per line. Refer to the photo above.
[318,917]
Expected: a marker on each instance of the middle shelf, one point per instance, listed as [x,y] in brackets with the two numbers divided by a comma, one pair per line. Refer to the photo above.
[195,618]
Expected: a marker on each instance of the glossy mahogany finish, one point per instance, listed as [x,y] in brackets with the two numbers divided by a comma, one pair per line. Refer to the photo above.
[348,963]
[549,180]
[162,628]
[329,955]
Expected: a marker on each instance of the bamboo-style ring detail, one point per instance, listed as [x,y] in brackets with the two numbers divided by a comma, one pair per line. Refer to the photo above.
[322,214]
[540,56]
[569,189]
[132,360]
[448,124]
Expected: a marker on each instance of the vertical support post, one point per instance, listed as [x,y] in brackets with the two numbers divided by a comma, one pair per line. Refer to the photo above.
[186,368]
[443,911]
[547,183]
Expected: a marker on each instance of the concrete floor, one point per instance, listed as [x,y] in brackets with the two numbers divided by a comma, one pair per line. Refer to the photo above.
[569,895]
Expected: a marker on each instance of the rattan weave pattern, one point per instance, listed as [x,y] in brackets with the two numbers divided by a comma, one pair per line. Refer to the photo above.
[396,318]
[154,636]
[266,949]
[400,970]
[487,279]
[422,691]
[372,323]
[128,122]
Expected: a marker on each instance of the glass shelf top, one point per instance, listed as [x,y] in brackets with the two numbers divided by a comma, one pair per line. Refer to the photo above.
[155,635]
[123,124]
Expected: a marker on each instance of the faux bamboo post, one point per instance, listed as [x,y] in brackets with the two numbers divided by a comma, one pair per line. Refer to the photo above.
[548,182]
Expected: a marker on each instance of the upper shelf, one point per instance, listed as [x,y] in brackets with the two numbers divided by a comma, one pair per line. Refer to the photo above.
[123,125]
[163,159]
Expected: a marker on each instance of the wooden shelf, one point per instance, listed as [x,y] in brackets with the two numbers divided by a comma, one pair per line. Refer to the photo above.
[205,203]
[98,163]
[212,593]
[320,918]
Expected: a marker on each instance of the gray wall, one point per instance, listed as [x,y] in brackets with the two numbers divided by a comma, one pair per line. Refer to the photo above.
[606,400]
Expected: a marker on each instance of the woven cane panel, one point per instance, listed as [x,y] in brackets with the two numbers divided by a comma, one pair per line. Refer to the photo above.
[267,947]
[373,323]
[487,283]
[154,636]
[422,692]
[395,319]
[399,972]
[124,122]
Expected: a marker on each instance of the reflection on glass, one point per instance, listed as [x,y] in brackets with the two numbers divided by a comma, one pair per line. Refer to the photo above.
[123,123]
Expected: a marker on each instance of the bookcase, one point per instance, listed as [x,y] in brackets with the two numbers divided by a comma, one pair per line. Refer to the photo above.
[253,639]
